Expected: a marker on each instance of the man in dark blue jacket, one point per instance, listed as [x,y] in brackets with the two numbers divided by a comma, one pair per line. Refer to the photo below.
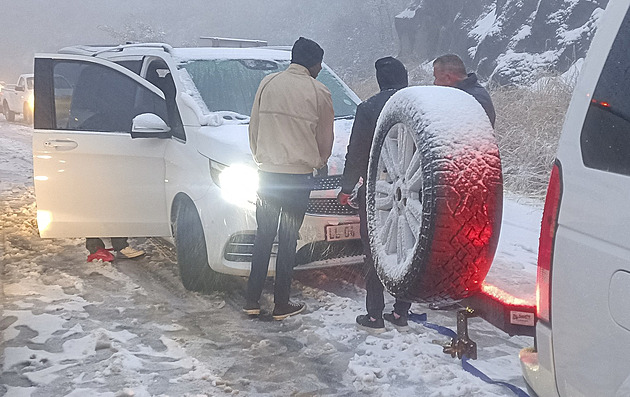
[391,76]
[449,71]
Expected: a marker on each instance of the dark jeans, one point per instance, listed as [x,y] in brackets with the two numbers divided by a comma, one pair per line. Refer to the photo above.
[374,299]
[280,208]
[93,244]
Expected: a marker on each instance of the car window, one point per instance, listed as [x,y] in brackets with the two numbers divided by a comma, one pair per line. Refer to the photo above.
[231,84]
[133,65]
[29,83]
[92,97]
[605,139]
[159,75]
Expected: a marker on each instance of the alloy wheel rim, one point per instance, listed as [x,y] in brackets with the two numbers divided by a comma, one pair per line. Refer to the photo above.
[398,194]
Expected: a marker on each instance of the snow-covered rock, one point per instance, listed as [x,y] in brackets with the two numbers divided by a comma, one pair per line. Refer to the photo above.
[505,41]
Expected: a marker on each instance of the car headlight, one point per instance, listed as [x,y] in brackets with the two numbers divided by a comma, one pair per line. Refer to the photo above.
[31,101]
[238,183]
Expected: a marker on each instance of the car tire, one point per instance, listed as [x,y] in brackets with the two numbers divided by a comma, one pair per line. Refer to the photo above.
[192,255]
[8,113]
[434,195]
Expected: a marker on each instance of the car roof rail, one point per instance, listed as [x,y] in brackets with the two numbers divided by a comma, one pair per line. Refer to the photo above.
[280,47]
[230,42]
[96,49]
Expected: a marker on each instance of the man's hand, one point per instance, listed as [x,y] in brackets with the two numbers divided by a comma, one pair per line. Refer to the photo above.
[343,198]
[322,172]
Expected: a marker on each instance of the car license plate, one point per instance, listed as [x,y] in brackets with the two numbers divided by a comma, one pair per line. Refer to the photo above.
[342,232]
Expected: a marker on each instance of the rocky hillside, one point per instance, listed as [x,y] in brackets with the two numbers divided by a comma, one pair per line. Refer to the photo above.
[505,41]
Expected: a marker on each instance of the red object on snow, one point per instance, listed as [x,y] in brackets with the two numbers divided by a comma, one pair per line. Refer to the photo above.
[101,254]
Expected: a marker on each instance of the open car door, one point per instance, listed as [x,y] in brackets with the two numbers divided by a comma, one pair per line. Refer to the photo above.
[92,179]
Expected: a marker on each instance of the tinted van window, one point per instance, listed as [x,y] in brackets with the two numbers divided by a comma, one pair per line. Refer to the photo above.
[605,138]
[92,97]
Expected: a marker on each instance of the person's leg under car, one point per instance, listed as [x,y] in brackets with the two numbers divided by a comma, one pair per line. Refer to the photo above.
[119,243]
[121,246]
[94,244]
[97,250]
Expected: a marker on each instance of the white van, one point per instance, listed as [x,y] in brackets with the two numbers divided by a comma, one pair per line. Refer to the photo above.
[582,345]
[150,140]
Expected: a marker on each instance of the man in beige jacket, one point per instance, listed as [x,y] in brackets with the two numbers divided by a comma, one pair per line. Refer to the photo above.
[291,135]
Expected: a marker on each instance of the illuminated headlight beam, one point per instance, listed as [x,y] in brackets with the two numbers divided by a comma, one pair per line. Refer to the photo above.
[239,184]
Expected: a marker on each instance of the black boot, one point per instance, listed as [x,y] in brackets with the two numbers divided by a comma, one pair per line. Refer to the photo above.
[371,324]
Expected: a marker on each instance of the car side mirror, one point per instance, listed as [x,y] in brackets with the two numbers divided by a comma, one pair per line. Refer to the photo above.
[149,125]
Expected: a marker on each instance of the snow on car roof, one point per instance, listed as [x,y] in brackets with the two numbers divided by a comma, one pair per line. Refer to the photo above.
[185,53]
[230,53]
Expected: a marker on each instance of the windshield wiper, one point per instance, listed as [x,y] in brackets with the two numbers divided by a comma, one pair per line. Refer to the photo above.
[346,117]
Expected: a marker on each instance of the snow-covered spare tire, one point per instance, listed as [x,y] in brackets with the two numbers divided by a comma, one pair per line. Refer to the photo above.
[434,195]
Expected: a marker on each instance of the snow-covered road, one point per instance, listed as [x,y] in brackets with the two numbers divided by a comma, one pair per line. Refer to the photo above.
[129,328]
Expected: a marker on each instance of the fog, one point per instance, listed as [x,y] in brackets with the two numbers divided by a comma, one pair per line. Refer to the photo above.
[353,33]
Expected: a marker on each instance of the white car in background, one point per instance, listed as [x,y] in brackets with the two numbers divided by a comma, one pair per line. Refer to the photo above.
[582,340]
[151,140]
[19,99]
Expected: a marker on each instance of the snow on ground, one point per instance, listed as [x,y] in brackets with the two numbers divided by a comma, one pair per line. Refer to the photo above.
[128,328]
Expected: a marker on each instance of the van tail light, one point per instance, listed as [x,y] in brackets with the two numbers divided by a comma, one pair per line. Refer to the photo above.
[546,243]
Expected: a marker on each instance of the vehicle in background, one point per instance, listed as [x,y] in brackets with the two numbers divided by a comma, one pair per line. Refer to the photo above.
[148,140]
[19,99]
[582,340]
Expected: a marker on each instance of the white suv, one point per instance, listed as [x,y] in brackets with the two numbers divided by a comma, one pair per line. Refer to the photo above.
[150,140]
[582,344]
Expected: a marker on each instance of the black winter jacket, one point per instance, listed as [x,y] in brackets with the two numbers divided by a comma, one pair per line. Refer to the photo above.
[472,86]
[391,76]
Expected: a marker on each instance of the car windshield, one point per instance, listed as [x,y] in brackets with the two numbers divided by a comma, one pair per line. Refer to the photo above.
[29,83]
[231,84]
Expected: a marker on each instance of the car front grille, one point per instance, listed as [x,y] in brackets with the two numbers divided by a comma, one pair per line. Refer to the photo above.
[327,182]
[328,206]
[240,246]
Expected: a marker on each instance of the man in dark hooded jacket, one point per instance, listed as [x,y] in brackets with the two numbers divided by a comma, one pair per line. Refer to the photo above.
[391,76]
[449,71]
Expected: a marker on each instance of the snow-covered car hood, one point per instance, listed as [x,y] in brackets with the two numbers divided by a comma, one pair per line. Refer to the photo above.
[229,144]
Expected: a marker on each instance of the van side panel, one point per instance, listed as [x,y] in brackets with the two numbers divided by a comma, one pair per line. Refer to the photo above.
[591,348]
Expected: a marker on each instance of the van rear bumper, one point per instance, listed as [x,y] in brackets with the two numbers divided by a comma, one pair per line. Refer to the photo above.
[537,364]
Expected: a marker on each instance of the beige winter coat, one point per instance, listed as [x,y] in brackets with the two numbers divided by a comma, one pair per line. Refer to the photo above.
[291,125]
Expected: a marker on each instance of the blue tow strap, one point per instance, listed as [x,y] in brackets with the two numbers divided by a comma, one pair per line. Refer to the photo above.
[466,365]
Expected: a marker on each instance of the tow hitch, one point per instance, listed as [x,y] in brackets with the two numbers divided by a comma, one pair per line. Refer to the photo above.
[462,345]
[511,315]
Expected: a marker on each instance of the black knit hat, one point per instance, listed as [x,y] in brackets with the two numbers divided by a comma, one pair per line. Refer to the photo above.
[391,73]
[306,52]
